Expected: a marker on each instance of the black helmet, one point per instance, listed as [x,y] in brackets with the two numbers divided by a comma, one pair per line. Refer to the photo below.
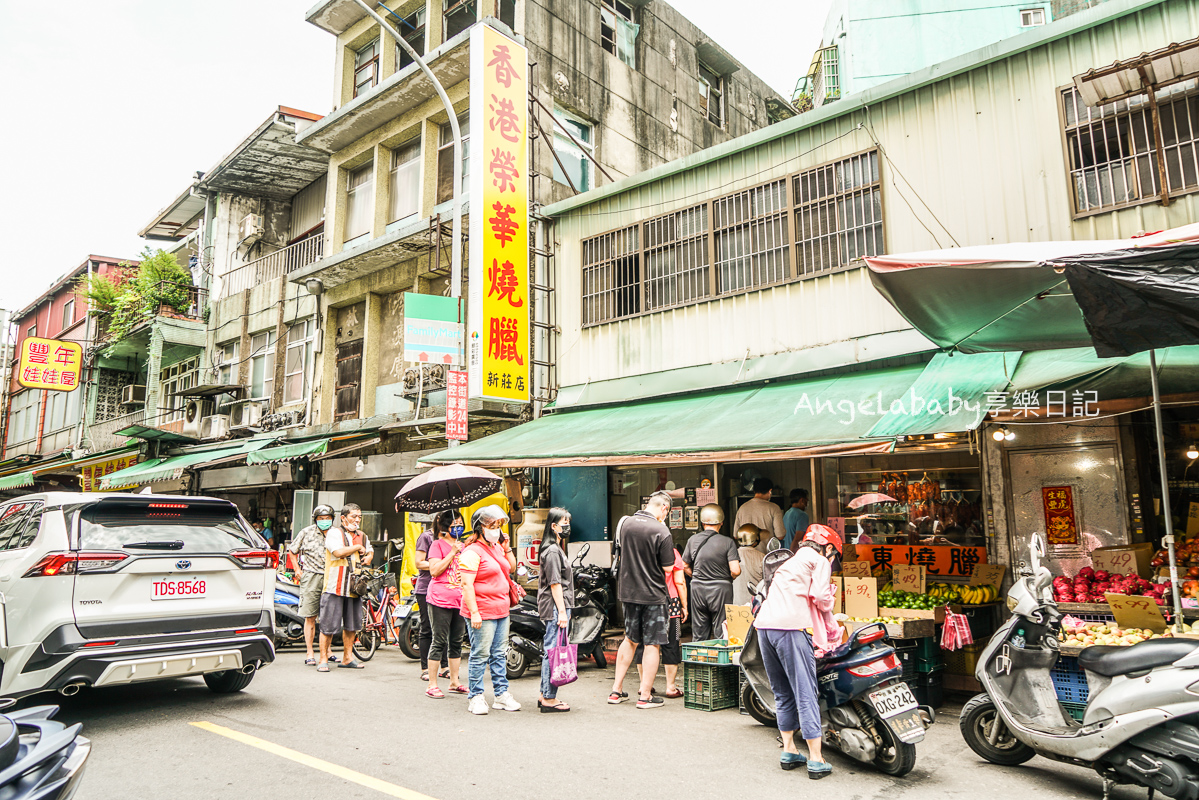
[322,511]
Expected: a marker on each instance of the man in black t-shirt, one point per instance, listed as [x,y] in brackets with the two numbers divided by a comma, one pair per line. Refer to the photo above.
[646,553]
[712,562]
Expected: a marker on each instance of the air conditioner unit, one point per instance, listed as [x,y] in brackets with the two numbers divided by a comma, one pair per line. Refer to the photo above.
[194,413]
[250,229]
[214,427]
[133,395]
[246,414]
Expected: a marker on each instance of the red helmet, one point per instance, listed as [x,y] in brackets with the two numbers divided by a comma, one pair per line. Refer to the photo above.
[822,535]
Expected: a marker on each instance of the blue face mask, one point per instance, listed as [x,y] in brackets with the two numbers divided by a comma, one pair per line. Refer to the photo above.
[457,531]
[324,524]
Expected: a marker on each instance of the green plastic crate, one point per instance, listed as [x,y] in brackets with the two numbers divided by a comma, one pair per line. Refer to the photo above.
[1075,710]
[710,687]
[712,651]
[928,649]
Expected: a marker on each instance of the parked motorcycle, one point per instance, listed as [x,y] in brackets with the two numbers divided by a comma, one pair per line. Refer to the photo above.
[866,711]
[289,625]
[588,620]
[1139,726]
[40,759]
[407,620]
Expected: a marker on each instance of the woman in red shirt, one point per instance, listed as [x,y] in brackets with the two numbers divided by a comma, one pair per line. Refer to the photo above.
[484,568]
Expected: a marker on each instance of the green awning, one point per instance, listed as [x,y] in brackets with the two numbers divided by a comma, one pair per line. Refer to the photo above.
[816,416]
[171,467]
[949,396]
[17,480]
[288,452]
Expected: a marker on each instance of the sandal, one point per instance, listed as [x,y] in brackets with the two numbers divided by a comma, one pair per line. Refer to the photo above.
[558,707]
[445,673]
[674,693]
[310,662]
[435,693]
[323,668]
[459,689]
[351,665]
[424,676]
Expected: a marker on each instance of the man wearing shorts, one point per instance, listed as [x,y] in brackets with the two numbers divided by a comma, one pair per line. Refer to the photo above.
[309,545]
[646,554]
[341,610]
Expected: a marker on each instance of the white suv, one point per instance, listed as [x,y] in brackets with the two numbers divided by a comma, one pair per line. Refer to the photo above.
[103,589]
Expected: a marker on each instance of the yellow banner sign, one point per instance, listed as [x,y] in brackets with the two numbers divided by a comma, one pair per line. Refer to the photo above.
[90,475]
[49,364]
[499,220]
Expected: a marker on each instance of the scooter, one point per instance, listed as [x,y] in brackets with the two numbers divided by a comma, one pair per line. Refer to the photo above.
[40,758]
[588,621]
[289,625]
[1139,726]
[866,712]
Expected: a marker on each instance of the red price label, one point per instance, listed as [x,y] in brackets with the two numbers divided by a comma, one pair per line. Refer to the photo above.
[861,590]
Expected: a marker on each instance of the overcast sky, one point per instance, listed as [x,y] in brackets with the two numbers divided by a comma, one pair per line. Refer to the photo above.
[106,121]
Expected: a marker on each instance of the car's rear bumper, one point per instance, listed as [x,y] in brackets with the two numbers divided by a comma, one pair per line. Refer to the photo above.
[66,658]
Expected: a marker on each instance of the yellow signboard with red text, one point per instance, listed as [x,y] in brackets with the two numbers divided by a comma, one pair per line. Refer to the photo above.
[498,320]
[90,474]
[49,364]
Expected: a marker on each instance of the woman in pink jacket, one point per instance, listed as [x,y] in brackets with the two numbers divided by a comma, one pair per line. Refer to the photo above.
[794,623]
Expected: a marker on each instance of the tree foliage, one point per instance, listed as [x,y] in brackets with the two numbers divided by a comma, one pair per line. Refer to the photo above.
[138,294]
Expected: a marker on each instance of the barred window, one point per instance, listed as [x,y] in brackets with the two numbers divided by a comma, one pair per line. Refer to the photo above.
[676,258]
[611,276]
[1110,149]
[751,237]
[838,213]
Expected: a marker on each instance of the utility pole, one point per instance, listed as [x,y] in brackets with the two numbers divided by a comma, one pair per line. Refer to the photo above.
[456,243]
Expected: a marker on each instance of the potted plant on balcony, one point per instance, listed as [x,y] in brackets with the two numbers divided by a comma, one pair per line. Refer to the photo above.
[157,285]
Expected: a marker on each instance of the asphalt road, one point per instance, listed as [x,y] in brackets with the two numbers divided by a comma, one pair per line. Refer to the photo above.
[373,734]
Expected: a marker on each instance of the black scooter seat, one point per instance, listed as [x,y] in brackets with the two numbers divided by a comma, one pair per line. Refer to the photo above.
[1113,661]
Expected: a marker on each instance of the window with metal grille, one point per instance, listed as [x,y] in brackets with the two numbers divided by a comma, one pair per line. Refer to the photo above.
[611,276]
[412,28]
[366,67]
[676,259]
[838,213]
[751,237]
[1111,154]
[830,64]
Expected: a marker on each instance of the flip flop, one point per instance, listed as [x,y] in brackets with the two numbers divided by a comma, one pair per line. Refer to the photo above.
[310,662]
[557,708]
[445,673]
[323,668]
[424,676]
[435,693]
[673,694]
[459,689]
[351,665]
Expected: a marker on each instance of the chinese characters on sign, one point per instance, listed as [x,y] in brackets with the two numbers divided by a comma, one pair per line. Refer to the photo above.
[455,405]
[90,475]
[499,349]
[49,364]
[1061,526]
[939,561]
[1054,404]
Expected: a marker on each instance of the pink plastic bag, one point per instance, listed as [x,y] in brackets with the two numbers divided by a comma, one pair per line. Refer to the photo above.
[563,660]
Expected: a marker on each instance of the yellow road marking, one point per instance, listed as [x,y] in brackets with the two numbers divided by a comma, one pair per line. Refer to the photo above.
[389,789]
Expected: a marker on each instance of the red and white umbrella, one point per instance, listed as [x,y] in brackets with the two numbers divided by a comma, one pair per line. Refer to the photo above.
[871,497]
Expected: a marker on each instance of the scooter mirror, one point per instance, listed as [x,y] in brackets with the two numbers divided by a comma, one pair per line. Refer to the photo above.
[583,551]
[1036,549]
[521,571]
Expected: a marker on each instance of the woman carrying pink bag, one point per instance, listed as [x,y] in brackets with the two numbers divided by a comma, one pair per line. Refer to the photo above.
[555,600]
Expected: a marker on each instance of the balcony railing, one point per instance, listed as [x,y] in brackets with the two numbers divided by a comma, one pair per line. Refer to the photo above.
[102,435]
[274,265]
[175,300]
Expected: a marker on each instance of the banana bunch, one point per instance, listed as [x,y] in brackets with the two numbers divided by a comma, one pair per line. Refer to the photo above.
[966,595]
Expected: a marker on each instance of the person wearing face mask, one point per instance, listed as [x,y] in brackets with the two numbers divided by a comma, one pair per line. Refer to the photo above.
[794,624]
[555,597]
[485,566]
[444,601]
[309,545]
[341,609]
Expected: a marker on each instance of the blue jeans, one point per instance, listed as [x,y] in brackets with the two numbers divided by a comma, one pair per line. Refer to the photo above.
[488,647]
[548,690]
[791,667]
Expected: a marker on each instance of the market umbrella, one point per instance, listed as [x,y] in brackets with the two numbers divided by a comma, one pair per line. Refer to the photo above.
[1121,297]
[871,497]
[447,487]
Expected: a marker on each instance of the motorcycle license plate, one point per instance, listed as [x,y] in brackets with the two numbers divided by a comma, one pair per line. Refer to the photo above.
[893,701]
[178,589]
[402,611]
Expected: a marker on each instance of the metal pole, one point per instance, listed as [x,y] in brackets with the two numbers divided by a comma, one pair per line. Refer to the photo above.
[456,244]
[1161,464]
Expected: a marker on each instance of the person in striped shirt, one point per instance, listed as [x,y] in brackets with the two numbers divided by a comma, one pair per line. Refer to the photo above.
[341,610]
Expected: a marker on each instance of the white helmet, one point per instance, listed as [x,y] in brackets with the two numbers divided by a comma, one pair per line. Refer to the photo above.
[711,514]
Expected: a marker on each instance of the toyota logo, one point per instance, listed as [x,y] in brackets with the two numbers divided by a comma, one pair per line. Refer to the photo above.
[184,564]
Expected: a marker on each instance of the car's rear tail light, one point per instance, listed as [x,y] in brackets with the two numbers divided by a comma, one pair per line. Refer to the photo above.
[884,664]
[257,558]
[72,563]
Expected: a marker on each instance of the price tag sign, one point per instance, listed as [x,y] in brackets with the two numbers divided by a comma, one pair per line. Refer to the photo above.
[855,569]
[739,618]
[988,575]
[1118,561]
[909,578]
[1136,612]
[861,597]
[839,596]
